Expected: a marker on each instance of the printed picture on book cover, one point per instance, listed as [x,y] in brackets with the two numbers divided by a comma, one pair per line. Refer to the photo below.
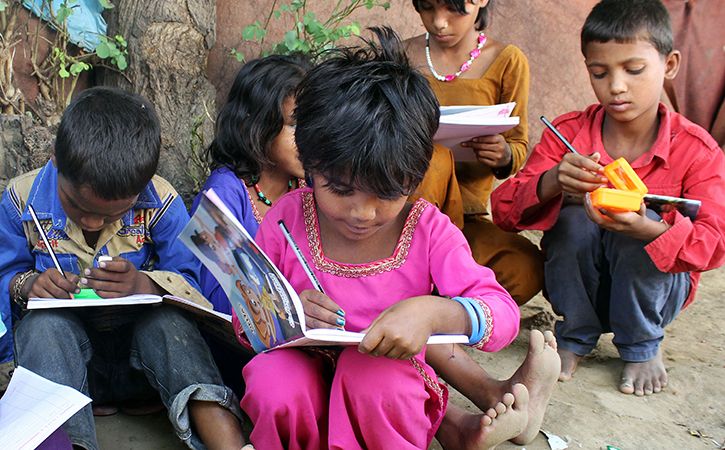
[257,296]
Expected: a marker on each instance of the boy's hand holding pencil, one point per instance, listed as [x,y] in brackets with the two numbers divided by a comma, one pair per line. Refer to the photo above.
[51,284]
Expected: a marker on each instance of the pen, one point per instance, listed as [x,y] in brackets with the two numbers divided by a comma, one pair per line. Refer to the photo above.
[551,126]
[41,231]
[300,257]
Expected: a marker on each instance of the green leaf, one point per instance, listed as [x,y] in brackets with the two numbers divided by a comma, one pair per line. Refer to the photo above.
[106,4]
[63,73]
[121,62]
[77,67]
[239,56]
[291,41]
[120,40]
[102,50]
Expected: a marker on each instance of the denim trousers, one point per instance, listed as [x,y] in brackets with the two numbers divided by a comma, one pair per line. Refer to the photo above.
[602,281]
[161,353]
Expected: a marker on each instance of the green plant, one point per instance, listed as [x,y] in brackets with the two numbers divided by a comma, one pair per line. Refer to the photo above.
[57,71]
[309,33]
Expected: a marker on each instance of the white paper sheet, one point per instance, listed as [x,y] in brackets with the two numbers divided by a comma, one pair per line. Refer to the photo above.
[33,408]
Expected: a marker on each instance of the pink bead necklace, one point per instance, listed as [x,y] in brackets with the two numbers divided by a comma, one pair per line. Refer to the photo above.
[475,53]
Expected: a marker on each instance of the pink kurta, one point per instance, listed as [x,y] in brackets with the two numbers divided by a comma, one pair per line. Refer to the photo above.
[367,402]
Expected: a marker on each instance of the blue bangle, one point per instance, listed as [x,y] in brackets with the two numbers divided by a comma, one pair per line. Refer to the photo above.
[473,316]
[482,323]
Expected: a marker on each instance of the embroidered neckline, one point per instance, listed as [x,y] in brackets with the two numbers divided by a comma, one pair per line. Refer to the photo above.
[397,259]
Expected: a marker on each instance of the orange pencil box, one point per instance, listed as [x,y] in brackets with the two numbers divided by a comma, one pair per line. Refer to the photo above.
[629,189]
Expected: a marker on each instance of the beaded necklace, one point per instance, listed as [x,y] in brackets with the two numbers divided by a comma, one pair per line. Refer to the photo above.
[475,53]
[263,198]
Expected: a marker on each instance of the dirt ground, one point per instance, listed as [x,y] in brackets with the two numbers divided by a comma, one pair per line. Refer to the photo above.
[588,411]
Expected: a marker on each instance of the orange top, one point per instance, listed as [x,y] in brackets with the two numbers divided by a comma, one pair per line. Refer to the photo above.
[505,80]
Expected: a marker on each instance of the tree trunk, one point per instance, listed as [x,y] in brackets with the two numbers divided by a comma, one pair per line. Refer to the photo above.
[168,45]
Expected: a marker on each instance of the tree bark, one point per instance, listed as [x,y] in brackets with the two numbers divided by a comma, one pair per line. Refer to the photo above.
[168,46]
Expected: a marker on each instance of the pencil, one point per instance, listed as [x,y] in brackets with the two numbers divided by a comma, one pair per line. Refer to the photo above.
[44,237]
[300,256]
[551,126]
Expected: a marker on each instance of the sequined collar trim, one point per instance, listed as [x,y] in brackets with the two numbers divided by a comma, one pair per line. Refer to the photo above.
[393,262]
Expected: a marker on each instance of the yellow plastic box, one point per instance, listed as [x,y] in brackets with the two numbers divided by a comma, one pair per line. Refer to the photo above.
[616,200]
[623,177]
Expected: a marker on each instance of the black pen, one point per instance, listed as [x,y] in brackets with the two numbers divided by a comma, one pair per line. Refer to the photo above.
[551,126]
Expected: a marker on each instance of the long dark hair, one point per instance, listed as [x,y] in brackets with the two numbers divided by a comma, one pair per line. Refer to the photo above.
[253,116]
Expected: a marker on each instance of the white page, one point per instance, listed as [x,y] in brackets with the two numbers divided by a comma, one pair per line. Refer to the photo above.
[487,111]
[33,408]
[46,303]
[451,135]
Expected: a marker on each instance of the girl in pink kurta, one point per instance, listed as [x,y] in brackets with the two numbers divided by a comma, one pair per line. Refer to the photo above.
[365,123]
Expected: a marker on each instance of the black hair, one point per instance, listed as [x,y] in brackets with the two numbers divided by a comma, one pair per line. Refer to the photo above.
[629,20]
[460,7]
[110,140]
[253,114]
[366,118]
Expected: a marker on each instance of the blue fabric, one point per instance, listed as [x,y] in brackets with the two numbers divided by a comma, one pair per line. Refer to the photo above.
[602,281]
[232,191]
[85,25]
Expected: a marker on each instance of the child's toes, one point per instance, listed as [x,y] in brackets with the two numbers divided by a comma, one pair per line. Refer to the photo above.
[648,388]
[500,408]
[490,412]
[626,386]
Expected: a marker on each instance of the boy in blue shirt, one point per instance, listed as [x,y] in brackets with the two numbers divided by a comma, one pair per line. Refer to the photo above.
[99,197]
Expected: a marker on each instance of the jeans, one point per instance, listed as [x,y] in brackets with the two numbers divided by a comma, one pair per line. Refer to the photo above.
[603,281]
[162,350]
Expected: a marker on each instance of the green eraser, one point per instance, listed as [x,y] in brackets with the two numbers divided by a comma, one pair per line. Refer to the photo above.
[86,294]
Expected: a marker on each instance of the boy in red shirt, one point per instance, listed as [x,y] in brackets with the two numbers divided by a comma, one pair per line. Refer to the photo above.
[629,273]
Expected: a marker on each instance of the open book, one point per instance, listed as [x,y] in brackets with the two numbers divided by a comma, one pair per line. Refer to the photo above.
[462,123]
[267,306]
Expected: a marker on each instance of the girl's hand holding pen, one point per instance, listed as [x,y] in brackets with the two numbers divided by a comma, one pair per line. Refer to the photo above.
[118,278]
[51,284]
[321,311]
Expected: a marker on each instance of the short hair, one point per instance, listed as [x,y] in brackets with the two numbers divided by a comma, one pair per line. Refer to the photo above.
[460,6]
[253,114]
[626,21]
[367,118]
[109,140]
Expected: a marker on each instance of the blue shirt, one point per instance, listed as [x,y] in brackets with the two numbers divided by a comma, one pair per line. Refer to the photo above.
[146,236]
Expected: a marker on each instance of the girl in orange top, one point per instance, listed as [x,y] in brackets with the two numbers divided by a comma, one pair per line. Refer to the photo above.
[466,66]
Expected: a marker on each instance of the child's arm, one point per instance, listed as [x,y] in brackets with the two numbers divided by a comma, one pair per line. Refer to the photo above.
[456,274]
[16,259]
[532,199]
[699,245]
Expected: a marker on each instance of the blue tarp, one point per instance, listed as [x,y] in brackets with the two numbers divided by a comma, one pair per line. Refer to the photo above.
[85,24]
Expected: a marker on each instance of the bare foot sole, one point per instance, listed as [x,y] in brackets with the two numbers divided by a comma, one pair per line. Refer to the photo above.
[462,430]
[569,363]
[538,373]
[644,378]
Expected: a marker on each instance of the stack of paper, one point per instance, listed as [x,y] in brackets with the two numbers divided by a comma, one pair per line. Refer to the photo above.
[462,123]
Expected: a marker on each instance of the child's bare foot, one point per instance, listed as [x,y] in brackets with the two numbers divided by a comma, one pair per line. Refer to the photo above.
[461,430]
[538,373]
[569,362]
[644,378]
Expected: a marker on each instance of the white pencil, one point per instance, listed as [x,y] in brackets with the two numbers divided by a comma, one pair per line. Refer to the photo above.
[300,257]
[45,239]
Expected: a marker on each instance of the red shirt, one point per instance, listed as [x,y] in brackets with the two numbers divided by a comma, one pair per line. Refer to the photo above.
[685,161]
